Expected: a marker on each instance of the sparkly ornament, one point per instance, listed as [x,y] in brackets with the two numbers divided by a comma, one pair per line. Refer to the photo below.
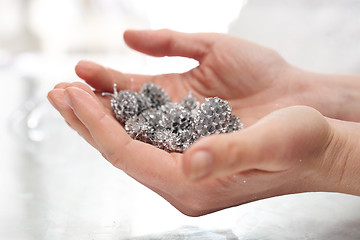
[154,95]
[139,129]
[234,124]
[213,117]
[149,116]
[154,118]
[180,119]
[126,104]
[166,140]
[190,102]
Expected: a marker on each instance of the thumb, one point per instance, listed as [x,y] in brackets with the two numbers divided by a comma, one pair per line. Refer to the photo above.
[164,42]
[269,145]
[224,154]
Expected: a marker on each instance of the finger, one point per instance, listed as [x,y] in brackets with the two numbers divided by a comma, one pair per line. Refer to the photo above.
[93,115]
[62,85]
[57,99]
[103,100]
[140,160]
[170,43]
[269,145]
[221,155]
[103,79]
[82,86]
[96,95]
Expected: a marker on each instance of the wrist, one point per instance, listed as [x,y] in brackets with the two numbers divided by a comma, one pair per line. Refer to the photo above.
[335,96]
[342,158]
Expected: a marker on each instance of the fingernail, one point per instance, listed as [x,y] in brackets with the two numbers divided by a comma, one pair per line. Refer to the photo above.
[62,85]
[84,63]
[201,165]
[68,98]
[52,102]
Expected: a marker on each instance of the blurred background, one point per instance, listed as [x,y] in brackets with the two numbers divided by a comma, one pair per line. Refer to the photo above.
[54,186]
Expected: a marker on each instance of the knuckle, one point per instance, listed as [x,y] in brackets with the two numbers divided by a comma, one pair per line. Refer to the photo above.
[169,43]
[115,159]
[102,119]
[164,31]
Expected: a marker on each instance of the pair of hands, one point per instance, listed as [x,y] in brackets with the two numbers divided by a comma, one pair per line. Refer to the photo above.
[279,151]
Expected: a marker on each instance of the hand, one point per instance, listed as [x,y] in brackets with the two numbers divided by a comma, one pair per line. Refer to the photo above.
[290,150]
[255,80]
[282,153]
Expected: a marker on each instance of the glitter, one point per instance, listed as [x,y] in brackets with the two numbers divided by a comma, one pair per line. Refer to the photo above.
[150,116]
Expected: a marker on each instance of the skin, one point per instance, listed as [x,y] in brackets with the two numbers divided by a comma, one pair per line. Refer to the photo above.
[284,148]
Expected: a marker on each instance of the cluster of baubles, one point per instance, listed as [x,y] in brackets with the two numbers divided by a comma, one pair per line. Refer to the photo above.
[150,116]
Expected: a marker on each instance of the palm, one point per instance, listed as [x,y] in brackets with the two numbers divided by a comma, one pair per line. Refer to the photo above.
[249,83]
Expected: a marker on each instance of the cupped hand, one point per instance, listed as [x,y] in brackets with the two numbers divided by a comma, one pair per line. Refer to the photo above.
[280,154]
[284,152]
[255,80]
